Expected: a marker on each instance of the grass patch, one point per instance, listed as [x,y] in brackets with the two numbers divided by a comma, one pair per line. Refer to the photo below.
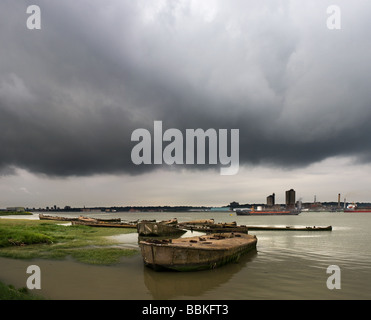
[11,293]
[29,239]
[15,213]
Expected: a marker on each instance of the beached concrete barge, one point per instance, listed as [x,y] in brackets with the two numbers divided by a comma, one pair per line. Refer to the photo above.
[290,228]
[47,217]
[196,253]
[215,227]
[159,229]
[105,224]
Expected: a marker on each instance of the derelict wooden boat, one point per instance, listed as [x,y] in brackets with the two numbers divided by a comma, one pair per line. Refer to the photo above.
[88,219]
[108,219]
[217,227]
[201,221]
[171,221]
[196,253]
[105,224]
[158,229]
[253,212]
[290,228]
[47,217]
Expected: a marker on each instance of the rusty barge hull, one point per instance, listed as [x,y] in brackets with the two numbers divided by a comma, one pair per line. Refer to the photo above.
[267,213]
[105,224]
[158,229]
[196,253]
[217,229]
[57,218]
[290,228]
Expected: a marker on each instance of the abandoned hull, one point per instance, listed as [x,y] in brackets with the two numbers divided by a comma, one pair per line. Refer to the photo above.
[196,253]
[105,224]
[88,219]
[46,217]
[217,227]
[158,229]
[198,222]
[290,228]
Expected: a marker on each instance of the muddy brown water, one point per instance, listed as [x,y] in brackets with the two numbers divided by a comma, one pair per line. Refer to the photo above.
[286,265]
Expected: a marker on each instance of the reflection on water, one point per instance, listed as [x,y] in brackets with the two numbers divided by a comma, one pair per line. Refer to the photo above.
[190,285]
[287,265]
[68,279]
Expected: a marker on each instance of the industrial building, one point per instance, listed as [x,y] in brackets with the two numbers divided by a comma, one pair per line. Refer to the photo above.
[290,198]
[271,200]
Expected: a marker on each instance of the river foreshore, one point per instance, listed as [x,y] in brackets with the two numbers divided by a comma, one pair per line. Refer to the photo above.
[30,239]
[287,265]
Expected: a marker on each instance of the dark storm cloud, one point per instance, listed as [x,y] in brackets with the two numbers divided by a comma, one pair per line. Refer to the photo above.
[72,92]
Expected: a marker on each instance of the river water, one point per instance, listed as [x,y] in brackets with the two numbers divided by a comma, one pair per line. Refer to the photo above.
[286,265]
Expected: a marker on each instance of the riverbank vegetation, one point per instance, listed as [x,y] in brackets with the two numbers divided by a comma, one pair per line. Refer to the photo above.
[15,213]
[11,293]
[29,239]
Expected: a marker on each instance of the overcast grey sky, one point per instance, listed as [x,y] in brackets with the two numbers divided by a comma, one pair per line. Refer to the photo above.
[72,93]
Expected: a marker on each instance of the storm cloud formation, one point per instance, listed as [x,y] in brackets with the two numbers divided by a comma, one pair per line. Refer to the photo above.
[72,93]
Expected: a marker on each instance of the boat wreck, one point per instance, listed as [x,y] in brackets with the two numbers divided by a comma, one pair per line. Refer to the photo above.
[260,212]
[47,217]
[103,220]
[216,227]
[290,228]
[196,253]
[198,222]
[105,224]
[159,229]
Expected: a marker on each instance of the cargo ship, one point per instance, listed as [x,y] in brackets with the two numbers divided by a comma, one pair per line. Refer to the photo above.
[266,212]
[354,208]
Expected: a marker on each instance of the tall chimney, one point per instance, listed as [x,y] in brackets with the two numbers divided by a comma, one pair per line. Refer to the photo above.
[339,201]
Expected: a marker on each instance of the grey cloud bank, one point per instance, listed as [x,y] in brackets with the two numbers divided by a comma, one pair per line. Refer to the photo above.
[72,93]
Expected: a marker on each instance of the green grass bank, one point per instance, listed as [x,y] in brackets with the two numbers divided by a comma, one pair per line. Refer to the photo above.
[29,239]
[15,213]
[11,293]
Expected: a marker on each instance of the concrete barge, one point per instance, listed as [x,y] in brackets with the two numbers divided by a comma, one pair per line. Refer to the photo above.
[105,224]
[196,253]
[159,229]
[216,227]
[290,228]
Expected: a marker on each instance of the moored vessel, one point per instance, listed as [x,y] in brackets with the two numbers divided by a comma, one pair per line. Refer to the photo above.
[264,212]
[159,229]
[48,217]
[291,228]
[216,227]
[355,208]
[196,253]
[104,224]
